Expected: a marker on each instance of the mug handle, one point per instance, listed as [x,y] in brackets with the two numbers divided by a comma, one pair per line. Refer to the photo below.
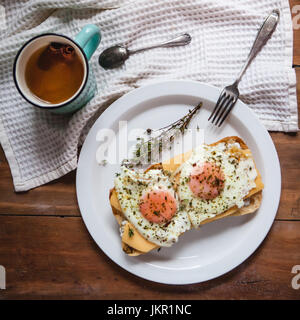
[88,39]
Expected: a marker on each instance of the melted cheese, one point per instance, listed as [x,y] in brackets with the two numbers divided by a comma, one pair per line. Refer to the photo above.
[135,240]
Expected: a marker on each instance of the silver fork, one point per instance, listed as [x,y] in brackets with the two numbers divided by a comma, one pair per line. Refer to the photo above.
[230,94]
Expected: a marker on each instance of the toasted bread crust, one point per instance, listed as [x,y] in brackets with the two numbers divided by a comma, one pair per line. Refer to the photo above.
[254,197]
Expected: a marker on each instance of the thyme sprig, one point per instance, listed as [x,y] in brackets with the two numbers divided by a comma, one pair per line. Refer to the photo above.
[146,150]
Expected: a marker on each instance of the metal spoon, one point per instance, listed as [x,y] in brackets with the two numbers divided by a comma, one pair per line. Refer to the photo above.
[115,56]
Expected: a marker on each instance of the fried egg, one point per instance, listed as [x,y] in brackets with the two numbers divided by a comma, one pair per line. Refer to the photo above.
[215,179]
[150,204]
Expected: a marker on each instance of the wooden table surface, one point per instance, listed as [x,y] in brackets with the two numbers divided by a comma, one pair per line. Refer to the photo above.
[48,252]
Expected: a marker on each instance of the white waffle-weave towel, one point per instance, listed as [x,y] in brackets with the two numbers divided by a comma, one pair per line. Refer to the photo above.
[41,147]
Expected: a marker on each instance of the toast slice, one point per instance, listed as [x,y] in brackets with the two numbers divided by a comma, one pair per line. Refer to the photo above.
[135,244]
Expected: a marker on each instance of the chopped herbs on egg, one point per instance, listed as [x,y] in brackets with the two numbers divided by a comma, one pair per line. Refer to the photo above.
[130,201]
[238,181]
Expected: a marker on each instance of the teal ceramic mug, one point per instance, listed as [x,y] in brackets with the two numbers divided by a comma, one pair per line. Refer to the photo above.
[85,44]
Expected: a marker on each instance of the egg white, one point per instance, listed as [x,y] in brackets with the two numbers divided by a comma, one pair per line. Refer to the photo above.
[130,187]
[239,180]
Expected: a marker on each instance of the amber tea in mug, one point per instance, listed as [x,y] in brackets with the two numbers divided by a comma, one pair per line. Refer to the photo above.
[54,73]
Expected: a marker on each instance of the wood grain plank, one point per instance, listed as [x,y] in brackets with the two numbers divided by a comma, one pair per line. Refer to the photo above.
[52,257]
[296,29]
[55,198]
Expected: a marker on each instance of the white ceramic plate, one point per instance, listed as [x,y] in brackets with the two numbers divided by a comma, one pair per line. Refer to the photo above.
[215,248]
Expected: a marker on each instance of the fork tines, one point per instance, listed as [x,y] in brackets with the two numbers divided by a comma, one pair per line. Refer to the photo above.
[224,105]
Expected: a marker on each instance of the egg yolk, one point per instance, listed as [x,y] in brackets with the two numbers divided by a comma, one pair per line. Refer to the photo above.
[206,180]
[158,206]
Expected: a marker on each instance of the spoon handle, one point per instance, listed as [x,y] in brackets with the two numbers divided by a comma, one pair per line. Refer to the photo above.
[263,35]
[181,40]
